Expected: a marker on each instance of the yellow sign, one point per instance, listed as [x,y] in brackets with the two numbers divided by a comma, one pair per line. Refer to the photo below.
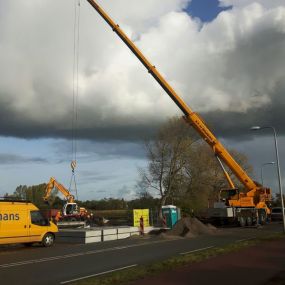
[138,213]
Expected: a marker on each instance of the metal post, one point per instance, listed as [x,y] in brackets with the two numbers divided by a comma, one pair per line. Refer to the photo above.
[279,177]
[267,163]
[262,175]
[278,168]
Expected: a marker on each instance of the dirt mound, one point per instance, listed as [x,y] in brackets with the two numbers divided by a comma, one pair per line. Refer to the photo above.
[191,227]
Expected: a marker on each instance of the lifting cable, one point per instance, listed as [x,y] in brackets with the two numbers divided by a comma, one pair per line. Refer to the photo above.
[75,91]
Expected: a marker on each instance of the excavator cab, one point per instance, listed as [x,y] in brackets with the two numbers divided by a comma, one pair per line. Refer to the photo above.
[70,209]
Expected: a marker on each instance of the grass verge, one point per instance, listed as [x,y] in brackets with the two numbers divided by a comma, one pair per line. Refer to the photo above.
[128,275]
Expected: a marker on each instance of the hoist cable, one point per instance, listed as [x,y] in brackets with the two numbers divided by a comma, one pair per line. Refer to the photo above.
[73,181]
[75,90]
[77,79]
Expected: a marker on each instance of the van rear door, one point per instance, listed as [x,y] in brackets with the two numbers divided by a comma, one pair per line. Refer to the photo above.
[13,226]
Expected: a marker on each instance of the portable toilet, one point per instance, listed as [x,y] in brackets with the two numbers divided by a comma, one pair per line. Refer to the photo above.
[170,212]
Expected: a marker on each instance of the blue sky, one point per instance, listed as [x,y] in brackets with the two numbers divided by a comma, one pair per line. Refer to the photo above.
[205,10]
[103,169]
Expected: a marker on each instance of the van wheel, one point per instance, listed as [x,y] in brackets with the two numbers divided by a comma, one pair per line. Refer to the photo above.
[48,240]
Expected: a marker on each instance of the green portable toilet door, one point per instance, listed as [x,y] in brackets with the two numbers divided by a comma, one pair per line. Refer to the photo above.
[174,217]
[167,213]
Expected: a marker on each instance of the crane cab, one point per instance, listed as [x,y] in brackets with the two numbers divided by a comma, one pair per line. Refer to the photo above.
[228,194]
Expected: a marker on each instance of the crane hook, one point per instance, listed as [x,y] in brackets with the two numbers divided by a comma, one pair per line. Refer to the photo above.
[73,165]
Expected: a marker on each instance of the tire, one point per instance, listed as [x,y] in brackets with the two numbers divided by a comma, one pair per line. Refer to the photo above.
[249,221]
[242,221]
[262,219]
[48,240]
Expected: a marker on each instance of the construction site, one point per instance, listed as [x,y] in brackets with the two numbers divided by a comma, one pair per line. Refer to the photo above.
[230,210]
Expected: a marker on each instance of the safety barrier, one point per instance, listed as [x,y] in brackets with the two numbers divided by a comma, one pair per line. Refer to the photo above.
[92,235]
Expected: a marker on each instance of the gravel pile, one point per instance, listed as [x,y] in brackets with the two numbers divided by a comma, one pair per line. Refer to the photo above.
[191,227]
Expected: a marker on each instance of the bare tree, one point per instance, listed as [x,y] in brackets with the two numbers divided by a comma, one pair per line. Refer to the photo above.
[166,154]
[182,168]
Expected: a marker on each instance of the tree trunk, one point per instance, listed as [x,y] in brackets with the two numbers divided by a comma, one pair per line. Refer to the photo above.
[161,203]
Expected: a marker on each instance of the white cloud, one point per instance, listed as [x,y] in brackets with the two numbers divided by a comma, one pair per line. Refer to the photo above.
[243,3]
[232,63]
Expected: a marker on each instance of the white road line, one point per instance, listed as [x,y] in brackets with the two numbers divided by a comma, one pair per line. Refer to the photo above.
[33,261]
[245,239]
[98,274]
[196,250]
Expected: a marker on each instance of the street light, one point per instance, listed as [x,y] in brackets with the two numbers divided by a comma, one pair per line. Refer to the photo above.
[267,163]
[256,128]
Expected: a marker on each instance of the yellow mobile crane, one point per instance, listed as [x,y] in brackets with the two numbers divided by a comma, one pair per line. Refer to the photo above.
[245,208]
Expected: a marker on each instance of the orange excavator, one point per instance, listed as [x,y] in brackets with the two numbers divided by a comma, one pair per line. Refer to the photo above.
[246,208]
[70,211]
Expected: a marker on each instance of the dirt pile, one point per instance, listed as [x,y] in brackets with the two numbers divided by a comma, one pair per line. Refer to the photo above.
[191,227]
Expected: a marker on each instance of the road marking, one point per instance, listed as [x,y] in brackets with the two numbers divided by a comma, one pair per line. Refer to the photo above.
[196,250]
[245,239]
[98,274]
[33,261]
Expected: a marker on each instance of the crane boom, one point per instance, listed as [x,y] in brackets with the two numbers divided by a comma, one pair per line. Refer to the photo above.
[190,116]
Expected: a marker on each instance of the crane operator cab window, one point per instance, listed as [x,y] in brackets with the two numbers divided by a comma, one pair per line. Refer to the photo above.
[71,209]
[228,194]
[38,219]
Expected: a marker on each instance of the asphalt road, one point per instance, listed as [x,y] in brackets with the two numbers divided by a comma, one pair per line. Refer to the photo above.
[63,263]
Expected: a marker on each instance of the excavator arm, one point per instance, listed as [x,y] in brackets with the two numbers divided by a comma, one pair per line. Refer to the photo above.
[54,184]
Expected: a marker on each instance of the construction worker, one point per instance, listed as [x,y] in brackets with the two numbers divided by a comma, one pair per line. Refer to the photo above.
[141,226]
[164,221]
[57,217]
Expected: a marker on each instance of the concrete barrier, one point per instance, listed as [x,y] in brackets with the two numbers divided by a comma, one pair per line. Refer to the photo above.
[91,235]
[81,236]
[109,234]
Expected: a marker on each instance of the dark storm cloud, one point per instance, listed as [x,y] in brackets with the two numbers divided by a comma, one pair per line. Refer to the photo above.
[22,128]
[93,176]
[231,70]
[99,150]
[18,159]
[236,124]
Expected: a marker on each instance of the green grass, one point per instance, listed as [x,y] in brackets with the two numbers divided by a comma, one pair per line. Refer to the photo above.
[128,275]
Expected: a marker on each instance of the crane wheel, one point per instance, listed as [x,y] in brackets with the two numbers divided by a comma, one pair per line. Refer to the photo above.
[262,219]
[242,221]
[249,221]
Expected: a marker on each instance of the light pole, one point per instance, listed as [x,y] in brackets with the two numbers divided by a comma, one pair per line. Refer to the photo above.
[256,128]
[267,163]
